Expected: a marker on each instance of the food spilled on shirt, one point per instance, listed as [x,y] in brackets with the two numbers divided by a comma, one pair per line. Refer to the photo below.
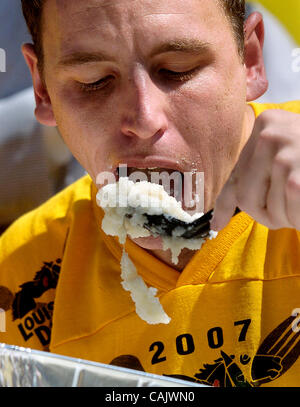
[125,204]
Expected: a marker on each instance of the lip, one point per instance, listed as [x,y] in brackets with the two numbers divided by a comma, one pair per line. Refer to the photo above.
[149,243]
[146,162]
[142,162]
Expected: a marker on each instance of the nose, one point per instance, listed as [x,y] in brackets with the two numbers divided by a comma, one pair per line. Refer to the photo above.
[144,108]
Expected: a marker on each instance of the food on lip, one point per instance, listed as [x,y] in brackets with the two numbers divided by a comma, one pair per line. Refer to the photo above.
[126,171]
[125,204]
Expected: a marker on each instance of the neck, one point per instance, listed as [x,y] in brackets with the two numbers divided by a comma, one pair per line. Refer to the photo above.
[249,124]
[166,257]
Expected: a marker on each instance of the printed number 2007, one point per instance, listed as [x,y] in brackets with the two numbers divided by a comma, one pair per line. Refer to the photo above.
[185,344]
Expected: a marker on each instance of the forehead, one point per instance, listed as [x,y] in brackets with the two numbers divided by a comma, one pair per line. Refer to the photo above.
[124,23]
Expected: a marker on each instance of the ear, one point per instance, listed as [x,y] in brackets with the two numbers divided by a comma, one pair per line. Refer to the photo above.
[257,83]
[43,111]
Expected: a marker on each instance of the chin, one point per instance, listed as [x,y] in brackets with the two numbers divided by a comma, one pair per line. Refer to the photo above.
[149,243]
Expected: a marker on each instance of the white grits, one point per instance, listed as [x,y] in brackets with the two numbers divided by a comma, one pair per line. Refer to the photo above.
[135,199]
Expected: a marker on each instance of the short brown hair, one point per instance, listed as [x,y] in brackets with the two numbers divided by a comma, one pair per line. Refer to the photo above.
[236,11]
[33,13]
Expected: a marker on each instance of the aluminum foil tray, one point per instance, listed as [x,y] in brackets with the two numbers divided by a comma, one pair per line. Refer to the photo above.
[23,367]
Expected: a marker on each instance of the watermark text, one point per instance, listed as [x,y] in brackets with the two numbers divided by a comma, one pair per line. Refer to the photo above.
[187,187]
[2,60]
[296,322]
[296,60]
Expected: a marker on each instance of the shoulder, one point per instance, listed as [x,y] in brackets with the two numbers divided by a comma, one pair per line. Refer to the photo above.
[42,232]
[31,259]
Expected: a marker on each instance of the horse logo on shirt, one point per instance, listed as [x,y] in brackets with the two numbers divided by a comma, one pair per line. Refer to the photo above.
[45,279]
[277,353]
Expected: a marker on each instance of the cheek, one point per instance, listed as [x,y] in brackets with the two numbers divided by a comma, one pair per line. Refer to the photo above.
[210,116]
[211,108]
[85,131]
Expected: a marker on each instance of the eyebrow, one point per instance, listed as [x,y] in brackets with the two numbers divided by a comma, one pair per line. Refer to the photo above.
[191,46]
[81,58]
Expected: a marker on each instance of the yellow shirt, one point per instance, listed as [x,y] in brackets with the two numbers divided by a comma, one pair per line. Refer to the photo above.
[234,308]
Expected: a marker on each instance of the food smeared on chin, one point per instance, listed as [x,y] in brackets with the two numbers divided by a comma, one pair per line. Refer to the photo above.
[127,206]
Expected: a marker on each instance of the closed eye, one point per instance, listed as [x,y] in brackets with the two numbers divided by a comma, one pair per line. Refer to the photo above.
[100,84]
[179,76]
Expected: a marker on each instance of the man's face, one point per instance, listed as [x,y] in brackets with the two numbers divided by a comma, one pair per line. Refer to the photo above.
[147,83]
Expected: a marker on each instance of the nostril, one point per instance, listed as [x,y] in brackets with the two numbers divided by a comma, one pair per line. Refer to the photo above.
[143,133]
[145,123]
[130,133]
[159,134]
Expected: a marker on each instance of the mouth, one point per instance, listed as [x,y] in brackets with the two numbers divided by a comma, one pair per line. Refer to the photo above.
[148,212]
[179,180]
[172,180]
